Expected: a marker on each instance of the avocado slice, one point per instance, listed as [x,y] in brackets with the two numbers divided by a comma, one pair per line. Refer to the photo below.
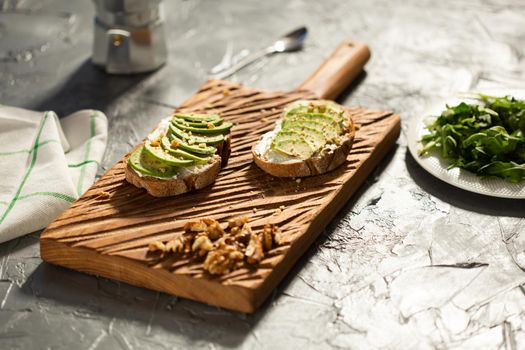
[140,164]
[201,124]
[173,130]
[211,140]
[331,109]
[298,123]
[317,117]
[313,136]
[166,145]
[195,117]
[158,154]
[295,147]
[223,128]
[285,136]
[192,139]
[194,148]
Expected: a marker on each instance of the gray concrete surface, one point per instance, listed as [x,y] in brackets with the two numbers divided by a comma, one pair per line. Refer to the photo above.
[409,263]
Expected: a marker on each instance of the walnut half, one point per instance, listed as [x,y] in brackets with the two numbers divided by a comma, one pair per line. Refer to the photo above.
[254,251]
[223,260]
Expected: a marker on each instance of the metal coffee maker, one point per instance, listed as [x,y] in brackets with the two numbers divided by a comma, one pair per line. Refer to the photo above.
[129,36]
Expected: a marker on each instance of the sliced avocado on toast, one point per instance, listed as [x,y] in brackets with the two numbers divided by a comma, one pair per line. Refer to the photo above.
[324,119]
[194,117]
[315,136]
[167,145]
[324,107]
[164,158]
[194,139]
[202,124]
[297,147]
[210,130]
[141,165]
[307,127]
[194,148]
[186,142]
[312,137]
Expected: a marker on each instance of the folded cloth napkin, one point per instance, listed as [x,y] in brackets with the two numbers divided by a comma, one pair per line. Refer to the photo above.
[45,164]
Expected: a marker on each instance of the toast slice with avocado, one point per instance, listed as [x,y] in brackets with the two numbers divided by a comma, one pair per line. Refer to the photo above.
[311,138]
[184,153]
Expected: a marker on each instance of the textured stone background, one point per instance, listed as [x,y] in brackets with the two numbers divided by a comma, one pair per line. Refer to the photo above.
[409,263]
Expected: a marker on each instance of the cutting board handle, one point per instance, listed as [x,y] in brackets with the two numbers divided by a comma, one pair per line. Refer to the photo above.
[338,70]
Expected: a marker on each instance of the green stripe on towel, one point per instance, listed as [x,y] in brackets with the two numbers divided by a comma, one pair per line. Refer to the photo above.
[58,195]
[28,150]
[86,154]
[83,163]
[28,170]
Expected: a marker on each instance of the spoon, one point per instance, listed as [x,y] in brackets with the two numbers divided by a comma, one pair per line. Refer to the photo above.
[292,41]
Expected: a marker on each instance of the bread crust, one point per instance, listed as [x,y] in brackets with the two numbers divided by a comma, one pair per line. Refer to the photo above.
[321,163]
[172,187]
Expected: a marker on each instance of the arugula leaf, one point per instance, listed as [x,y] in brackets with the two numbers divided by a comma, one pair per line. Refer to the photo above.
[486,138]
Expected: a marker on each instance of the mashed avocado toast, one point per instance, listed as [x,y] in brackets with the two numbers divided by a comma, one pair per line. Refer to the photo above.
[184,153]
[312,138]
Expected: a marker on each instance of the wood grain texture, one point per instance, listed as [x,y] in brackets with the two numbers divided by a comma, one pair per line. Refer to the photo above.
[109,236]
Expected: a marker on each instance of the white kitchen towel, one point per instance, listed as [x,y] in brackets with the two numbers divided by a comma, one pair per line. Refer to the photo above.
[45,164]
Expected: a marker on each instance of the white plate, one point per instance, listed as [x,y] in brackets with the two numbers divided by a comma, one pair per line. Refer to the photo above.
[461,178]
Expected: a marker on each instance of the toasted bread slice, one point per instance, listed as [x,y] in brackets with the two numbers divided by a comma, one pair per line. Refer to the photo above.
[189,179]
[203,176]
[327,159]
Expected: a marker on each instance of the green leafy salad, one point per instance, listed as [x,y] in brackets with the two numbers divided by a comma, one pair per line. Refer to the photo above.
[486,138]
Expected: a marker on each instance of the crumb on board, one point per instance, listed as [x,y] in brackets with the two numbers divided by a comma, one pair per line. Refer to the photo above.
[103,195]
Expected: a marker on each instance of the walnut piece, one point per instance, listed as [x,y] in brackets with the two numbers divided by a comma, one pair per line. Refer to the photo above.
[156,142]
[237,222]
[175,245]
[241,235]
[214,229]
[202,245]
[195,226]
[174,144]
[157,246]
[267,237]
[223,260]
[271,236]
[224,250]
[254,251]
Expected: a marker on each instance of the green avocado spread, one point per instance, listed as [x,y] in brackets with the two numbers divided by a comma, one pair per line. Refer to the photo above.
[182,141]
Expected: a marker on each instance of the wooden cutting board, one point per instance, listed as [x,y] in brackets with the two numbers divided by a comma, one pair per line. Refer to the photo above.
[109,236]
